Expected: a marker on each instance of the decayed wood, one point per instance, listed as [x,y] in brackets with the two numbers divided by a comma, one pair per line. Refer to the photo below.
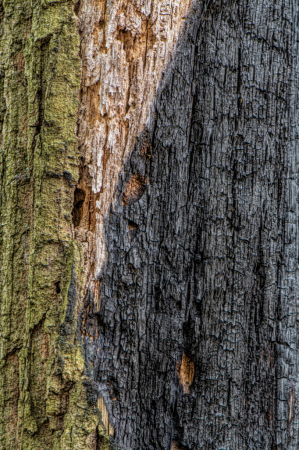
[125,47]
[192,157]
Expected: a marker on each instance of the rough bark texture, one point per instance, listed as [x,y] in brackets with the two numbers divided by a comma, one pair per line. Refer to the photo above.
[148,269]
[192,338]
[44,397]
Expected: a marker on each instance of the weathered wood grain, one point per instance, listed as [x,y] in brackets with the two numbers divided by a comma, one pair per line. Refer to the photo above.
[203,267]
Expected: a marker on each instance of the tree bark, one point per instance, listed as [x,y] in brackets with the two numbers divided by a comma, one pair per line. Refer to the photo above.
[148,234]
[43,394]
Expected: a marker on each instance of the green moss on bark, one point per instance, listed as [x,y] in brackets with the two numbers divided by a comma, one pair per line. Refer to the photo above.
[43,396]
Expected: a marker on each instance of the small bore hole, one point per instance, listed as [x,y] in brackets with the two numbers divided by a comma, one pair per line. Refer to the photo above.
[57,287]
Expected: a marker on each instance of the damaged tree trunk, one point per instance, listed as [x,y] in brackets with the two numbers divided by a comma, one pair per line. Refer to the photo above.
[148,228]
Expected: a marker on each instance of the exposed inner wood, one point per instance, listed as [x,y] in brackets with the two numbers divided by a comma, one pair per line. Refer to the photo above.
[191,282]
[186,371]
[134,190]
[125,48]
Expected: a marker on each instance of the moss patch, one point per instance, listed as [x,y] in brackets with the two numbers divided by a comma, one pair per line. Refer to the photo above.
[43,397]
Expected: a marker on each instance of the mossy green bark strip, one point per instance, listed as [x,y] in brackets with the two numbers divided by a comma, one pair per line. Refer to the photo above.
[44,398]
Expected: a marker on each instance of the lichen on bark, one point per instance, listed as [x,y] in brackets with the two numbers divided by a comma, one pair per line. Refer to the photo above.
[46,401]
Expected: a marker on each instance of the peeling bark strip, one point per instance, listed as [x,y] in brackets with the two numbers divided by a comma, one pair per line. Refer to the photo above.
[148,283]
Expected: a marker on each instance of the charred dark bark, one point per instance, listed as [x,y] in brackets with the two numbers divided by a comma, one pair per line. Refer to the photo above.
[195,343]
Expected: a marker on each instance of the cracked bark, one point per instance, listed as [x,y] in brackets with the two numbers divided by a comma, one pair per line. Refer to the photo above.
[192,339]
[157,279]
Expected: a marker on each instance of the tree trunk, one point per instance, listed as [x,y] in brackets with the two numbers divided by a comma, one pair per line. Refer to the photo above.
[148,233]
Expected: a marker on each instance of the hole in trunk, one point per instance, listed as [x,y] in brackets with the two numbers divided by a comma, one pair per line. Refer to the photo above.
[77,7]
[57,287]
[77,213]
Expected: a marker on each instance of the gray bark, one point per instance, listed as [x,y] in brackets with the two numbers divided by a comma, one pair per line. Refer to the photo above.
[201,238]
